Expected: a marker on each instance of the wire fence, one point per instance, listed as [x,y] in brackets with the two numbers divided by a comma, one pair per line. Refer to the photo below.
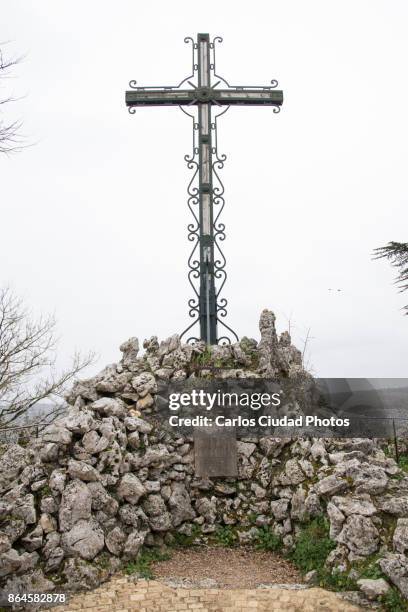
[14,434]
[24,433]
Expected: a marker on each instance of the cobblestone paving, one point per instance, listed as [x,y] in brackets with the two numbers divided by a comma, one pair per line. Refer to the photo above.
[125,594]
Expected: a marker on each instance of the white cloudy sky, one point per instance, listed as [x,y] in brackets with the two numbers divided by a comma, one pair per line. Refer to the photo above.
[94,214]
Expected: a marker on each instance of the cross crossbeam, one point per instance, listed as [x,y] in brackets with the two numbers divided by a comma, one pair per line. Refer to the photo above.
[206,232]
[200,95]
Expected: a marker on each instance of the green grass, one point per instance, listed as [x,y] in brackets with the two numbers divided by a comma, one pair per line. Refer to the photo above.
[142,564]
[393,601]
[312,546]
[336,581]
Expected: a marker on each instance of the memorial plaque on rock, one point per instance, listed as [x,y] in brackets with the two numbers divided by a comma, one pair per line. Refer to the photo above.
[215,452]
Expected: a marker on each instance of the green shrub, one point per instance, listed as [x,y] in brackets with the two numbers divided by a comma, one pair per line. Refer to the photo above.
[370,568]
[268,540]
[226,536]
[45,491]
[141,565]
[312,545]
[204,358]
[403,462]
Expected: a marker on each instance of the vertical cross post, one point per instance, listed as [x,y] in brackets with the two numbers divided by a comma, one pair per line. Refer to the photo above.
[208,298]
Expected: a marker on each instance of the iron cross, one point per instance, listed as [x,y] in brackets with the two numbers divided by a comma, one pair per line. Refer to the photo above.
[203,98]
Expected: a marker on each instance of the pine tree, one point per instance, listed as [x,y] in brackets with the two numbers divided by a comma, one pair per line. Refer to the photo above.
[397,253]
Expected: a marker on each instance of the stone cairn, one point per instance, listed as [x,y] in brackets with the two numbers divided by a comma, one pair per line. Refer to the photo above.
[103,481]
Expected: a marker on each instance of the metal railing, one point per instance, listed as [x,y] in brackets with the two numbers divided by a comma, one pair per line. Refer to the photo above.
[13,431]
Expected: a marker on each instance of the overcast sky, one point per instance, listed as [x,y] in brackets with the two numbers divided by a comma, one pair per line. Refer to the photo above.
[94,214]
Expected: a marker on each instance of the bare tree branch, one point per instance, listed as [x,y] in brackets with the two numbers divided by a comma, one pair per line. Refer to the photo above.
[27,360]
[11,140]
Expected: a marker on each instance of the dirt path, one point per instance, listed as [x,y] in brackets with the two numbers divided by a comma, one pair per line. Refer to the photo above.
[231,568]
[211,580]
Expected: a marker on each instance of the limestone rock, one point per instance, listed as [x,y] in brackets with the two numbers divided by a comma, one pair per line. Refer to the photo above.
[79,421]
[34,539]
[279,509]
[369,479]
[130,488]
[137,424]
[132,515]
[169,345]
[268,343]
[154,505]
[76,504]
[109,406]
[28,561]
[115,540]
[10,561]
[180,504]
[101,500]
[130,350]
[94,443]
[57,433]
[258,491]
[400,537]
[207,508]
[5,543]
[360,535]
[337,519]
[298,511]
[12,463]
[312,505]
[48,504]
[272,447]
[144,383]
[373,589]
[31,582]
[54,559]
[80,575]
[133,544]
[319,452]
[57,480]
[47,522]
[84,538]
[162,522]
[82,471]
[395,567]
[398,506]
[49,452]
[25,509]
[293,474]
[245,448]
[330,485]
[355,505]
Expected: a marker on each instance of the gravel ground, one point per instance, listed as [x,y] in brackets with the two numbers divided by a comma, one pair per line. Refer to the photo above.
[229,568]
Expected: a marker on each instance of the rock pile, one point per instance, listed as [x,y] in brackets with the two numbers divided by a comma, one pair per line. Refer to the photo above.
[103,481]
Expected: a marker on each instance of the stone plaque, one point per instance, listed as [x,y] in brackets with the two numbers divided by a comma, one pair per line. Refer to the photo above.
[215,452]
